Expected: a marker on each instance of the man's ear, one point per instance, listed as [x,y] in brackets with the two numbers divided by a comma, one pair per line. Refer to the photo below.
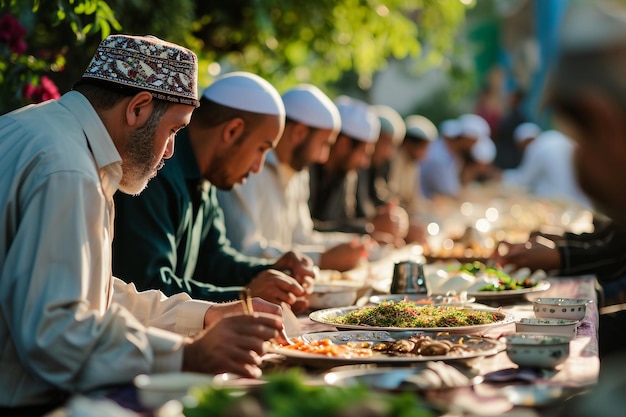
[299,134]
[233,129]
[139,109]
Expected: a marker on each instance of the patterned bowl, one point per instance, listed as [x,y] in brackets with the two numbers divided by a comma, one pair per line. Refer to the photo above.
[563,327]
[535,350]
[560,308]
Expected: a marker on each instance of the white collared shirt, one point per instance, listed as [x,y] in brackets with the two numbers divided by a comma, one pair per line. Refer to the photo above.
[269,215]
[66,325]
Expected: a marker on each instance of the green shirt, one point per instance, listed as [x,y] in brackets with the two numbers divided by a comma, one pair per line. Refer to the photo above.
[172,237]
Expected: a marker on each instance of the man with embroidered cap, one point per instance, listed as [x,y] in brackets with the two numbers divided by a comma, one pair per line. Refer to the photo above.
[174,232]
[269,214]
[333,200]
[67,325]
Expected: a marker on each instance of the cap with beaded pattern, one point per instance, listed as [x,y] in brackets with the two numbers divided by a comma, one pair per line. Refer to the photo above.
[146,63]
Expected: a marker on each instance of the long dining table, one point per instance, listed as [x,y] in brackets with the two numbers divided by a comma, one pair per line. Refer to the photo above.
[576,375]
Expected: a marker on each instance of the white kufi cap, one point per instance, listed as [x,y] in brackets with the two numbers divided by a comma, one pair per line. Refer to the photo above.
[245,91]
[474,126]
[358,120]
[526,131]
[450,128]
[308,105]
[390,122]
[421,128]
[484,150]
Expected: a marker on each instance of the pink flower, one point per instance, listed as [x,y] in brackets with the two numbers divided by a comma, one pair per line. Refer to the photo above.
[12,33]
[46,90]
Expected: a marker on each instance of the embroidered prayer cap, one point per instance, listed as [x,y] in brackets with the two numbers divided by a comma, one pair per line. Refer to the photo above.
[146,63]
[358,120]
[307,104]
[390,122]
[450,128]
[484,150]
[473,125]
[526,131]
[419,127]
[246,91]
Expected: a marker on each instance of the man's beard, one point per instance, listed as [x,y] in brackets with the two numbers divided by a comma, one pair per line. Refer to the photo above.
[139,163]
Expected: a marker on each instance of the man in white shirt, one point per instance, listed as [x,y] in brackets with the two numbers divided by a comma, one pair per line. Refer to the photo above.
[67,325]
[269,214]
[546,170]
[440,171]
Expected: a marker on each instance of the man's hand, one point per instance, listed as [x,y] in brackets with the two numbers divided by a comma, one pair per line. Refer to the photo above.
[298,266]
[218,311]
[276,287]
[233,344]
[345,256]
[538,253]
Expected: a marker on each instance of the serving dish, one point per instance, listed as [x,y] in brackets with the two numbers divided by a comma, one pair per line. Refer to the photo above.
[563,327]
[535,350]
[432,375]
[329,315]
[560,308]
[423,299]
[506,294]
[336,294]
[480,347]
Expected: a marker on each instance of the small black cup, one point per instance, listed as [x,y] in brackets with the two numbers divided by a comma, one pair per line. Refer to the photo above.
[408,278]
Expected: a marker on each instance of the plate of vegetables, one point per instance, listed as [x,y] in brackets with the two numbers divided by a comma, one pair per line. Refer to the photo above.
[483,281]
[406,315]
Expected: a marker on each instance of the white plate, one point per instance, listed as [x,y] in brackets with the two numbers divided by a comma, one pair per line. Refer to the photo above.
[326,316]
[481,347]
[433,375]
[494,295]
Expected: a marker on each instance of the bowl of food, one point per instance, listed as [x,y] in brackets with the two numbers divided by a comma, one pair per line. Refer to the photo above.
[560,308]
[534,350]
[337,294]
[563,327]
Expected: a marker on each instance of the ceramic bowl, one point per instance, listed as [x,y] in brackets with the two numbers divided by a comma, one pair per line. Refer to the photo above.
[560,308]
[563,327]
[155,390]
[333,295]
[535,350]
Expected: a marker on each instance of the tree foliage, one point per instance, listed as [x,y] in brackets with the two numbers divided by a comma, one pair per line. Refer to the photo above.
[285,41]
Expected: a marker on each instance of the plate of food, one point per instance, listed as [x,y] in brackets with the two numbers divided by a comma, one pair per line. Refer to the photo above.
[424,299]
[483,281]
[385,347]
[405,315]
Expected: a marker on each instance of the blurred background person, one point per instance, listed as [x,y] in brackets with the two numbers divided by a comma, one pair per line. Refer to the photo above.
[333,200]
[441,170]
[269,214]
[374,181]
[172,236]
[546,170]
[479,167]
[404,178]
[508,154]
